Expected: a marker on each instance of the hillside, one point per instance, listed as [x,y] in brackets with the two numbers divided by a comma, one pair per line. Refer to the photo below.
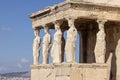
[16,74]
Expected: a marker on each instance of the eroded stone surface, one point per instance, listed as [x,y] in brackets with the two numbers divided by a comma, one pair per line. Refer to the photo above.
[73,72]
[70,46]
[57,45]
[100,47]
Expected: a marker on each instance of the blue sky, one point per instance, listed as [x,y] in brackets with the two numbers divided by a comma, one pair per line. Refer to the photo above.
[16,34]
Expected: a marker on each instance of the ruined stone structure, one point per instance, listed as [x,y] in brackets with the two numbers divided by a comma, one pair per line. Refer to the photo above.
[97,22]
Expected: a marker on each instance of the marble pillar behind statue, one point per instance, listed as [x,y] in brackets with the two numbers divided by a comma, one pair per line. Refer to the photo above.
[70,46]
[36,47]
[100,47]
[63,46]
[57,44]
[46,45]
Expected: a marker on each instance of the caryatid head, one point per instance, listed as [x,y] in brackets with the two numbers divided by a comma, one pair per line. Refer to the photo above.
[36,32]
[70,22]
[57,25]
[46,29]
[101,23]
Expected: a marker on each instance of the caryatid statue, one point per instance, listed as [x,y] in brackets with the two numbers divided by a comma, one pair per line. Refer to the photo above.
[46,44]
[100,47]
[57,44]
[70,46]
[36,47]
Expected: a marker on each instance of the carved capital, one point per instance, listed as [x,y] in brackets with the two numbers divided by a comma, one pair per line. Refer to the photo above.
[36,32]
[46,29]
[101,23]
[44,25]
[70,21]
[57,24]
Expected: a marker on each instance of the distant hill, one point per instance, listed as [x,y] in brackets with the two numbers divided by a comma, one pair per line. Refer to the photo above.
[16,74]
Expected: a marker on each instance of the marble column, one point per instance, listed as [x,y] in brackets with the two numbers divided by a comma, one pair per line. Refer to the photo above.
[57,44]
[63,45]
[84,44]
[70,46]
[46,44]
[100,47]
[36,47]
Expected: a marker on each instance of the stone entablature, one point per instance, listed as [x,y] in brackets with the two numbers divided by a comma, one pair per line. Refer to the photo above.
[70,71]
[61,11]
[110,2]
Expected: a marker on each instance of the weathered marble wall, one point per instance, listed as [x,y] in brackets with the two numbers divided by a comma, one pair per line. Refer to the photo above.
[70,72]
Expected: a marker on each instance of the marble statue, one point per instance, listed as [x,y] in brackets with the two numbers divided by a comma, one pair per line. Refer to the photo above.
[100,47]
[70,46]
[46,45]
[57,44]
[36,47]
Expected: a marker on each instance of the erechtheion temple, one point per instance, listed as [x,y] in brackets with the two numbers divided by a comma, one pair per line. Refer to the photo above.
[97,22]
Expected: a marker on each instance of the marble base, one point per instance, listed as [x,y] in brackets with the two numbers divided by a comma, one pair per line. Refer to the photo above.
[70,71]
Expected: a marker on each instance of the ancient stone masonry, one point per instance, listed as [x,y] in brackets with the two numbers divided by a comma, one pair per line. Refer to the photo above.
[97,22]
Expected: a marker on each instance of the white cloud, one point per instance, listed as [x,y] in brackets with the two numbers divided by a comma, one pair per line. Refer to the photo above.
[2,68]
[24,60]
[22,63]
[19,65]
